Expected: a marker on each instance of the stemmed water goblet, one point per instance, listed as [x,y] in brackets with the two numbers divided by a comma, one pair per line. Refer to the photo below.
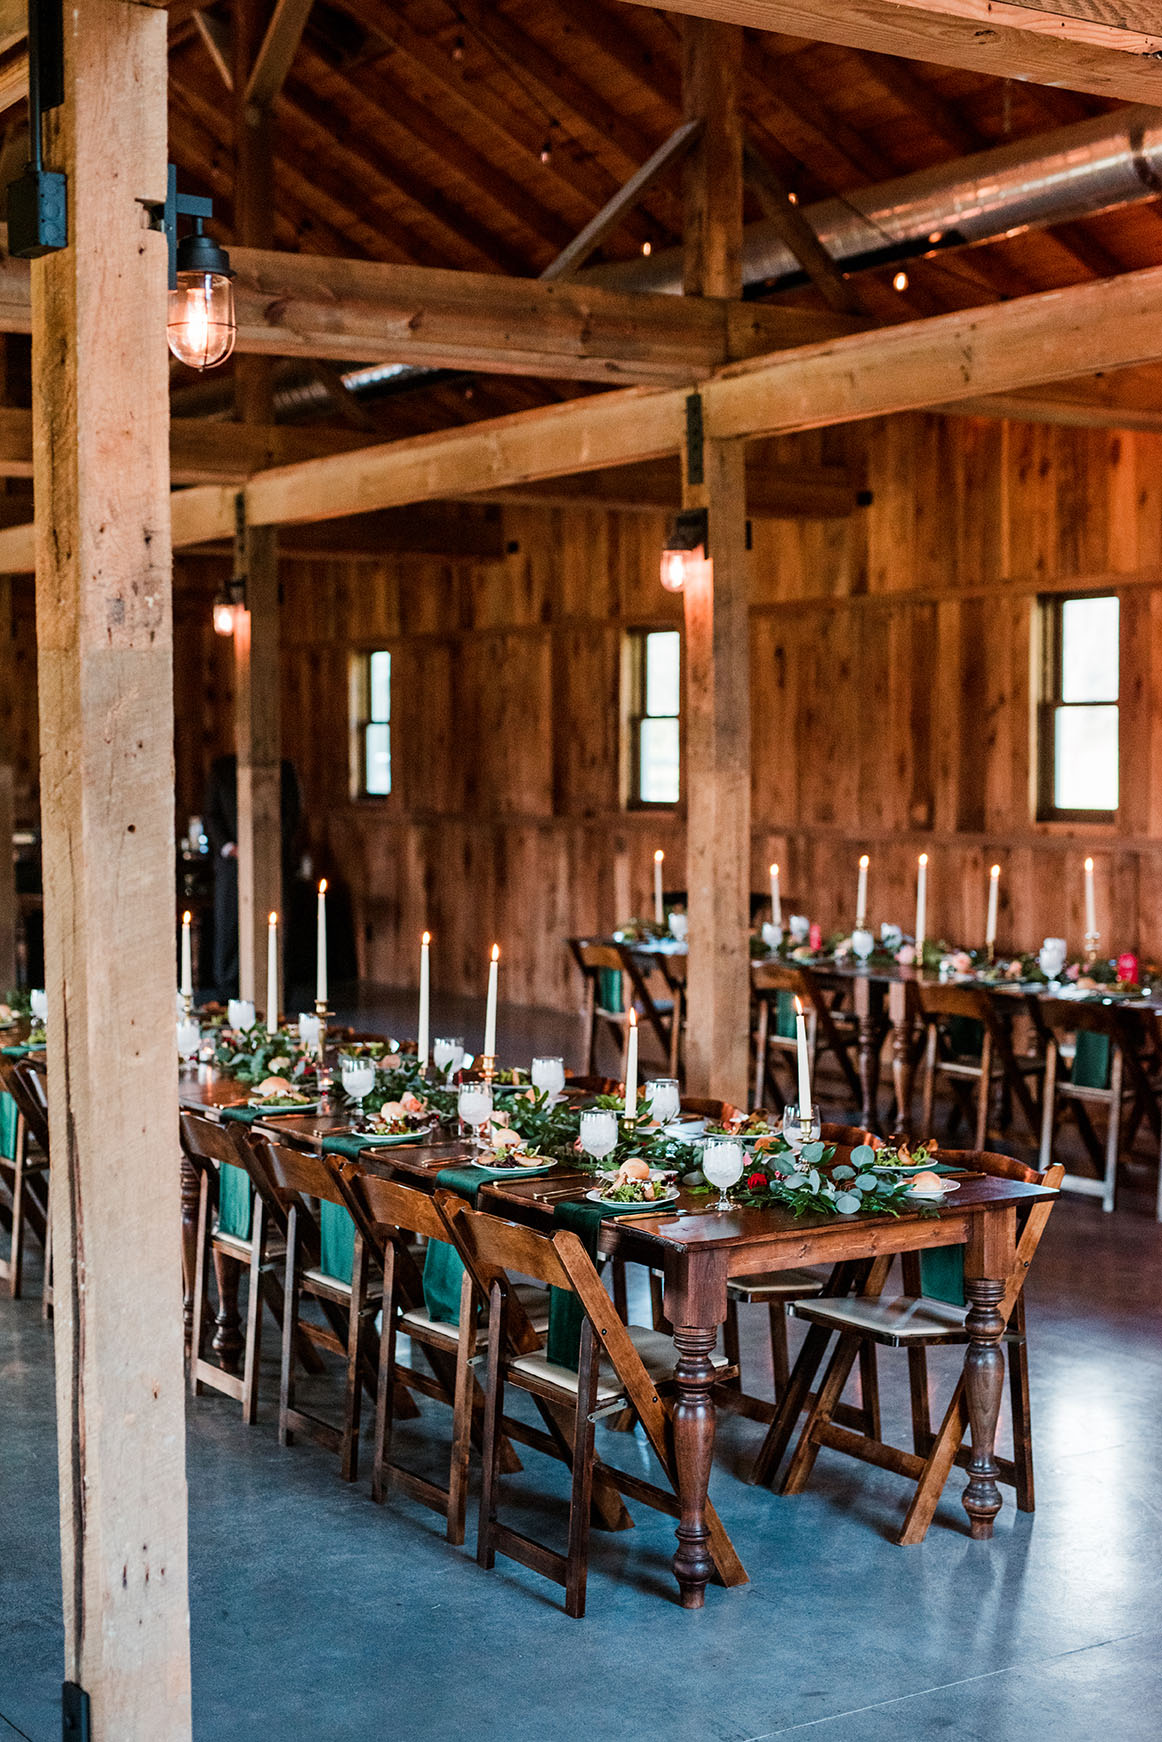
[474,1105]
[664,1099]
[548,1076]
[446,1055]
[189,1041]
[722,1163]
[357,1074]
[800,1128]
[598,1132]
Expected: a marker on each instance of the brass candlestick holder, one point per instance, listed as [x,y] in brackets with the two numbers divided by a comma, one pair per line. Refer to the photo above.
[187,999]
[990,953]
[488,1066]
[321,1015]
[1092,940]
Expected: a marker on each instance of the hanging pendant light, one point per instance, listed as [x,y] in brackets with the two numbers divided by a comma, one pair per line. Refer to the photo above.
[687,542]
[200,325]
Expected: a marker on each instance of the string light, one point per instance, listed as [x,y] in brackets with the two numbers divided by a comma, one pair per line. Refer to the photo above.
[647,249]
[900,281]
[547,151]
[792,199]
[458,48]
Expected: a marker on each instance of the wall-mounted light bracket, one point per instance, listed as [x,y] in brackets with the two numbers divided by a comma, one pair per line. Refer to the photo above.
[687,541]
[38,219]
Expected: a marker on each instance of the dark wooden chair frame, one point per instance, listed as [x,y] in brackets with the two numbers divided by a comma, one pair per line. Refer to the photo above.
[999,1067]
[25,1172]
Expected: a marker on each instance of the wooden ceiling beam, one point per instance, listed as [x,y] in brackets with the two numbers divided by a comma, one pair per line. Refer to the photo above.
[1063,45]
[615,210]
[201,452]
[276,52]
[772,492]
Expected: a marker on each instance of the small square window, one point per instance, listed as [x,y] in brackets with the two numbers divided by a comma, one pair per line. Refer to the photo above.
[654,717]
[371,724]
[1077,719]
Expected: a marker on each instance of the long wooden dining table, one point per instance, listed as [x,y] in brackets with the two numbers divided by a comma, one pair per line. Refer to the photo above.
[698,1249]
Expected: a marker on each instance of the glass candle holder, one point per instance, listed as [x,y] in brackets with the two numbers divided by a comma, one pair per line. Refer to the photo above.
[800,1128]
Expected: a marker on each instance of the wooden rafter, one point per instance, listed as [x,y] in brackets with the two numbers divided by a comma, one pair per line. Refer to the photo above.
[615,210]
[1070,44]
[278,48]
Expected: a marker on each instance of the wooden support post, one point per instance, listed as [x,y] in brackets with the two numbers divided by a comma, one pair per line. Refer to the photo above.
[716,605]
[7,794]
[257,735]
[104,633]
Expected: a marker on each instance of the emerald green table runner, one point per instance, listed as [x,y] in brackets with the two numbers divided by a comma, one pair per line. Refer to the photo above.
[235,1209]
[1091,1060]
[9,1118]
[443,1268]
[566,1313]
[942,1267]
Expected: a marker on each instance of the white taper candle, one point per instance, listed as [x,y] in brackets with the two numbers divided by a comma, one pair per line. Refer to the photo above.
[921,907]
[490,1007]
[659,915]
[804,1063]
[861,894]
[187,985]
[776,900]
[990,930]
[272,973]
[1090,901]
[321,947]
[631,1068]
[425,1000]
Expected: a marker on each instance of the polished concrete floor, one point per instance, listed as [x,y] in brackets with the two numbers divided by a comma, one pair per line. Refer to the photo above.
[317,1615]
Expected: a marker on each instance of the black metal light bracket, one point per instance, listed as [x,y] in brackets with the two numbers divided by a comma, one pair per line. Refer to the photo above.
[689,530]
[196,252]
[74,1713]
[38,219]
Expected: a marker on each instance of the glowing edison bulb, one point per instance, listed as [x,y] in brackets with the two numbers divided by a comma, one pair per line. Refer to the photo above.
[223,618]
[673,574]
[200,325]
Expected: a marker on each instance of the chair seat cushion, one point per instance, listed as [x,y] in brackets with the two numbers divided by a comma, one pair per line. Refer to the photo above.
[534,1300]
[658,1357]
[906,1319]
[775,1285]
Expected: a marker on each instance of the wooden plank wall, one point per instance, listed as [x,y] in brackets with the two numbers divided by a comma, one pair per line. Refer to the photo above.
[890,695]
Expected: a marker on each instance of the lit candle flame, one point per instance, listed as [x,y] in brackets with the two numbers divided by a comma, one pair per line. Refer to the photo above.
[658,856]
[864,861]
[798,1006]
[1089,864]
[496,952]
[774,870]
[186,917]
[273,919]
[427,938]
[633,1018]
[322,886]
[923,858]
[995,872]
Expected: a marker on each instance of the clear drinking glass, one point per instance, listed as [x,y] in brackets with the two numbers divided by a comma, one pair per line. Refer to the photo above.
[189,1041]
[799,1129]
[548,1075]
[38,1003]
[357,1073]
[722,1163]
[474,1105]
[446,1055]
[598,1132]
[664,1099]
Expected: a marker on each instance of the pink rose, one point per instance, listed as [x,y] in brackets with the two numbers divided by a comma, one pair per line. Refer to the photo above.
[906,955]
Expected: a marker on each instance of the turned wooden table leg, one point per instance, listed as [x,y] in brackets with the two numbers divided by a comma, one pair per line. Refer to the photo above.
[984,1373]
[903,1056]
[190,1193]
[694,1423]
[228,1342]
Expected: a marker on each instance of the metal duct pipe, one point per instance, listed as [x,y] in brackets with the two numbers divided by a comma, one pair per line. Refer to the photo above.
[1052,178]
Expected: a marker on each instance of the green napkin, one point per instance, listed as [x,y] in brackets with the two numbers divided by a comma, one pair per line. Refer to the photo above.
[1091,1061]
[19,1052]
[785,1016]
[234,1205]
[348,1143]
[942,1274]
[609,988]
[443,1268]
[966,1036]
[336,1241]
[245,1115]
[565,1310]
[8,1122]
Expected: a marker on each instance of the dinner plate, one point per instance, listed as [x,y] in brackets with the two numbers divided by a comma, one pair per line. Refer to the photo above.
[285,1106]
[388,1139]
[670,1197]
[684,1129]
[656,1173]
[903,1166]
[948,1186]
[514,1172]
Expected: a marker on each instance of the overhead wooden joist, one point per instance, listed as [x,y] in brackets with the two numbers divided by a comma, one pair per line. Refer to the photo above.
[948,359]
[303,305]
[1081,44]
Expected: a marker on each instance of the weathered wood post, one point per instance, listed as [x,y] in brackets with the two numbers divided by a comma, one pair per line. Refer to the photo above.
[104,632]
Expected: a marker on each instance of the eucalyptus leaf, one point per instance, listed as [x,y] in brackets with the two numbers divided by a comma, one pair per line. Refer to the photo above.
[840,1173]
[863,1155]
[867,1182]
[813,1180]
[813,1154]
[847,1203]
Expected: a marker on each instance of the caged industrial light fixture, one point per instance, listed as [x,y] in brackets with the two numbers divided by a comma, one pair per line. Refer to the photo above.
[687,543]
[200,324]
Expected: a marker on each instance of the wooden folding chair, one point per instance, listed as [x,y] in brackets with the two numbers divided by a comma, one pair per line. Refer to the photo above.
[25,1172]
[1126,1082]
[209,1146]
[596,959]
[619,1365]
[916,1323]
[386,1213]
[831,1031]
[299,1181]
[998,1066]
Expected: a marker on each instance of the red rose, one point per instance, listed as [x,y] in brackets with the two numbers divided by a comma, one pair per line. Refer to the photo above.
[756,1182]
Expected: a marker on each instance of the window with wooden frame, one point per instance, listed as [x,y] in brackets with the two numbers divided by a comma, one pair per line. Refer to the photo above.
[653,718]
[1077,715]
[371,724]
